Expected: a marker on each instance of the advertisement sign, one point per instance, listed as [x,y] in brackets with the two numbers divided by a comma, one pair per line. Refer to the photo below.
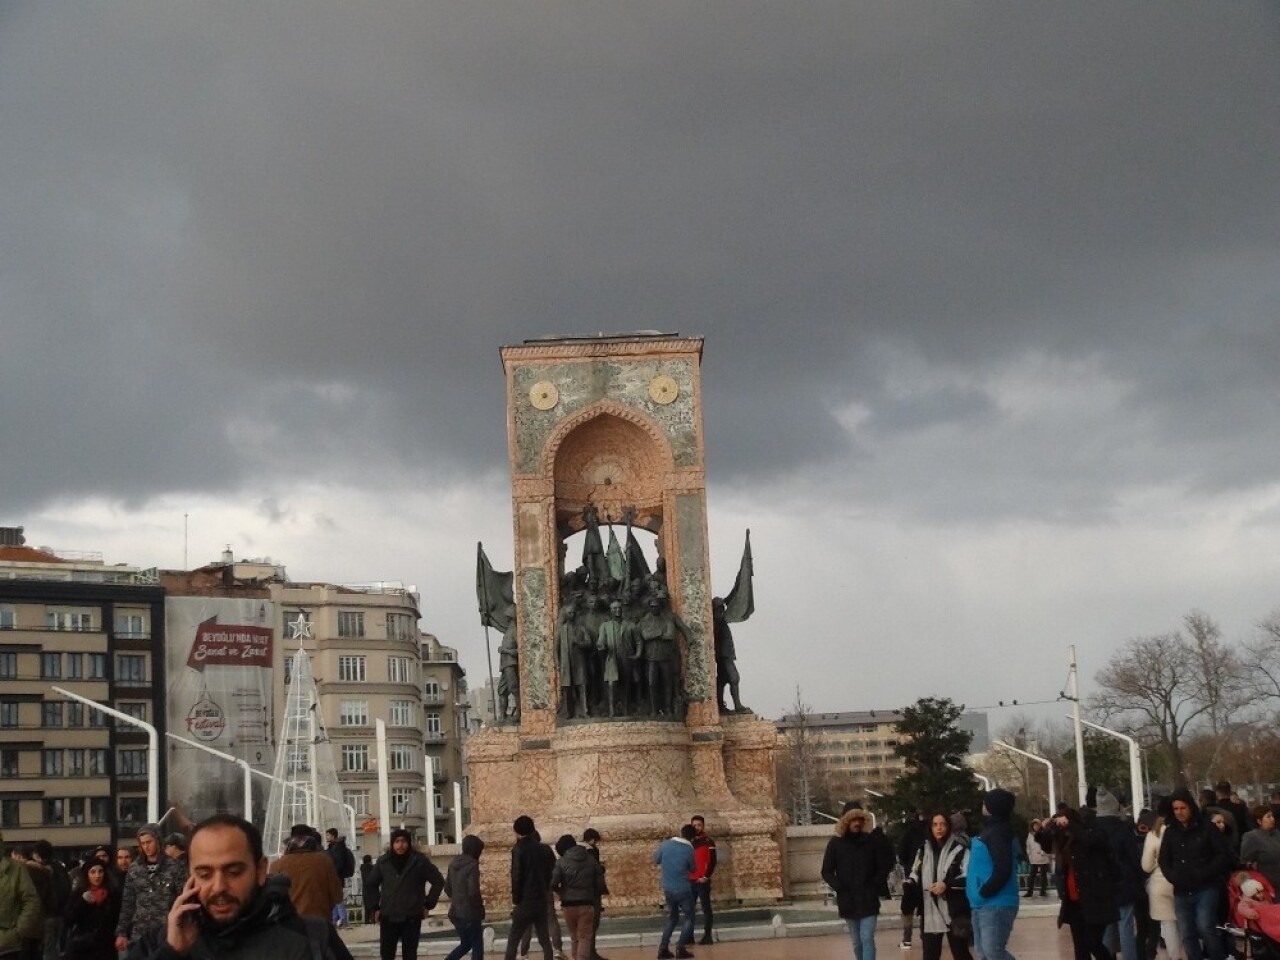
[218,664]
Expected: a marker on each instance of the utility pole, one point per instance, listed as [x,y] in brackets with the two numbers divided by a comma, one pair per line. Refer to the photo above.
[1073,682]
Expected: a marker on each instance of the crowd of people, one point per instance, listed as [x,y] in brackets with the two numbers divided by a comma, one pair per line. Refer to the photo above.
[1189,877]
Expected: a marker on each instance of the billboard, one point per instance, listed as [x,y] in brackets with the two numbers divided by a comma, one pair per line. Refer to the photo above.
[218,669]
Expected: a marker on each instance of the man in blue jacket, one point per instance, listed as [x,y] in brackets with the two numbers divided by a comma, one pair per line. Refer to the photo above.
[676,862]
[992,881]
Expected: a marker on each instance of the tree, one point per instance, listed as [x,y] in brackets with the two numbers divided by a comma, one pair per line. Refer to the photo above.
[933,749]
[1261,661]
[1106,761]
[798,775]
[1170,684]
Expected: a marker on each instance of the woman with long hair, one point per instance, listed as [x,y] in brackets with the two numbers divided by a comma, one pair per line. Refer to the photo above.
[1090,871]
[939,875]
[91,917]
[1160,891]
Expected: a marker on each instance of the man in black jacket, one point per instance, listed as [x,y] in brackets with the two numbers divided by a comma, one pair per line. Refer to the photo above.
[855,865]
[1194,859]
[531,864]
[400,886]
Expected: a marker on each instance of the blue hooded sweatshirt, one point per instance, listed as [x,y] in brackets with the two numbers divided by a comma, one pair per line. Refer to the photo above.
[992,880]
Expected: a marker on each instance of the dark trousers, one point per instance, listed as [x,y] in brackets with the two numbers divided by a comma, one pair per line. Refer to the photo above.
[471,935]
[403,933]
[702,891]
[524,917]
[932,943]
[1086,940]
[1042,871]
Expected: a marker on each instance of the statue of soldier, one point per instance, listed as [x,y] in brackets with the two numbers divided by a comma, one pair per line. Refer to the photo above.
[591,617]
[572,646]
[660,630]
[726,655]
[593,555]
[508,676]
[619,642]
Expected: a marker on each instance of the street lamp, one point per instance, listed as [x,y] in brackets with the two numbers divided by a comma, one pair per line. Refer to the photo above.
[1136,795]
[982,779]
[1053,797]
[153,749]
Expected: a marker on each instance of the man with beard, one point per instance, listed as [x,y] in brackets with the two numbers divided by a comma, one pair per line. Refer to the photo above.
[400,886]
[230,909]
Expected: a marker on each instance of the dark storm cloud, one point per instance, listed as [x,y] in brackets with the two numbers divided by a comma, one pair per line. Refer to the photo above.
[238,240]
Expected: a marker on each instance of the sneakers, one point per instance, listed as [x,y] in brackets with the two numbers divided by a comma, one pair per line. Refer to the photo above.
[905,945]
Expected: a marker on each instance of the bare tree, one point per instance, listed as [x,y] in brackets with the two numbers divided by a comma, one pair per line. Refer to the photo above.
[1220,672]
[1261,660]
[1156,682]
[801,764]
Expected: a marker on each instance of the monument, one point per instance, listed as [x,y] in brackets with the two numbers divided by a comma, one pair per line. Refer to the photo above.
[610,715]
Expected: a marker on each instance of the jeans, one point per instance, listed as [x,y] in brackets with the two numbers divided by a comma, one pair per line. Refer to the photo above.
[1128,934]
[862,931]
[991,929]
[678,903]
[393,933]
[471,933]
[1197,914]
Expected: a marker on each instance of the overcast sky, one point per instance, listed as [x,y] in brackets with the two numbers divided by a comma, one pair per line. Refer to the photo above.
[990,293]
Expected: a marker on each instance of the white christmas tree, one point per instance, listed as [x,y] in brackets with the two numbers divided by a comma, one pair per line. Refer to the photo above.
[305,788]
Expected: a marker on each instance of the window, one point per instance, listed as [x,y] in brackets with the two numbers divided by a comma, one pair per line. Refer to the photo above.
[431,690]
[9,816]
[51,713]
[75,810]
[99,809]
[8,713]
[130,625]
[353,713]
[299,759]
[439,802]
[9,764]
[98,719]
[351,669]
[131,763]
[398,670]
[355,757]
[51,812]
[133,810]
[8,666]
[97,762]
[77,620]
[350,623]
[400,756]
[75,714]
[75,763]
[359,801]
[399,626]
[401,713]
[288,670]
[8,621]
[75,666]
[433,725]
[97,666]
[131,668]
[50,666]
[51,763]
[135,709]
[402,800]
[436,768]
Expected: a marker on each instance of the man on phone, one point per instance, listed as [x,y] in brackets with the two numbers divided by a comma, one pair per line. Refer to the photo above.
[230,909]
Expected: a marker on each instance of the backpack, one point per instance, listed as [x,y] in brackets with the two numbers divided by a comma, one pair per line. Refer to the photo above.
[346,863]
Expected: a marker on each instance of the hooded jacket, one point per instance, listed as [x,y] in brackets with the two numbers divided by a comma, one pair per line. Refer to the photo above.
[400,888]
[991,880]
[855,865]
[20,915]
[1193,855]
[268,927]
[462,883]
[315,886]
[149,892]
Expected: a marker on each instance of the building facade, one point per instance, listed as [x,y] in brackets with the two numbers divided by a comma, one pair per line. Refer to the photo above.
[74,775]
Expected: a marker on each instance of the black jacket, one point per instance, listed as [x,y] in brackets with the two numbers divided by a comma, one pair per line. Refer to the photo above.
[1096,869]
[1193,855]
[531,864]
[402,894]
[855,865]
[1126,844]
[578,878]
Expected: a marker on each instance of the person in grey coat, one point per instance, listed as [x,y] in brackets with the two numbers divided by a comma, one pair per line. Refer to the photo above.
[578,879]
[466,903]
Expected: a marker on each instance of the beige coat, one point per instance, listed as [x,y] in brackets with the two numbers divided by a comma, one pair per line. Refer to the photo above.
[1159,889]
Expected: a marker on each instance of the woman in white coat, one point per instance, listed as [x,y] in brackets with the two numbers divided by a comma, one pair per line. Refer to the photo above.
[1160,892]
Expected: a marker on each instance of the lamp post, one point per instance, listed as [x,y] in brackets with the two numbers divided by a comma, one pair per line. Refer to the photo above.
[1053,796]
[1137,795]
[1073,680]
[153,749]
[981,778]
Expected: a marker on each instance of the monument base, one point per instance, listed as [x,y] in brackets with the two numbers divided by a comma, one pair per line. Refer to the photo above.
[636,782]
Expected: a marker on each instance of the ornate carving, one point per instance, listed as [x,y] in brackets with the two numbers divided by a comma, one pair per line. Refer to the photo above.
[535,656]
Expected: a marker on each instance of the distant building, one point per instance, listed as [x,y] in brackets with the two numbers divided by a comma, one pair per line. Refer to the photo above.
[72,775]
[856,747]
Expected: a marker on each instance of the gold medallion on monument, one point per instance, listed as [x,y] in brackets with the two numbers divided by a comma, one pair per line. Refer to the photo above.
[544,395]
[663,389]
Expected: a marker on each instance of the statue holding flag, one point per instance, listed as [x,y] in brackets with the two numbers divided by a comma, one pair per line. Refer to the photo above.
[735,608]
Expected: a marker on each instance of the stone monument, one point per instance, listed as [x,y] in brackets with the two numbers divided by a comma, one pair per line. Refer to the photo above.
[606,432]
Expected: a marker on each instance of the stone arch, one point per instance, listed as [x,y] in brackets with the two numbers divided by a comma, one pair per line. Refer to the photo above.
[612,456]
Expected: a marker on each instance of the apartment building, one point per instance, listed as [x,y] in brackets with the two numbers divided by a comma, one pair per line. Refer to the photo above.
[446,704]
[73,775]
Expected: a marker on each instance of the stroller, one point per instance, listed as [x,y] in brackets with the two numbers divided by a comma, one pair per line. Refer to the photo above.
[1255,922]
